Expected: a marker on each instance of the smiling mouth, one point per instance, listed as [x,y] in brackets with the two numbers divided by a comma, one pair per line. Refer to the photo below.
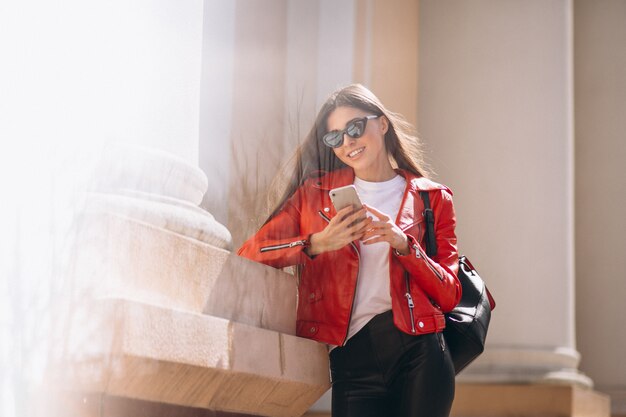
[355,152]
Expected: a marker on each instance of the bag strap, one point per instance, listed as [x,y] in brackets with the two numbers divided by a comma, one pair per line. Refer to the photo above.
[431,243]
[429,217]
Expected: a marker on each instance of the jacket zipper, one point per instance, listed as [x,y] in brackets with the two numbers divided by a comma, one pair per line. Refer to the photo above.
[409,298]
[284,246]
[357,280]
[409,301]
[418,254]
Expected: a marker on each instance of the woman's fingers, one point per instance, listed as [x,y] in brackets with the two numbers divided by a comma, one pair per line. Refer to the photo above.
[360,228]
[380,225]
[352,219]
[346,226]
[375,240]
[384,232]
[377,228]
[381,216]
[342,214]
[380,235]
[349,225]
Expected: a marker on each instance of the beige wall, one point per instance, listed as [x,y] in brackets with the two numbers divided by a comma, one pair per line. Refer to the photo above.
[600,80]
[386,52]
[258,103]
[494,109]
[494,100]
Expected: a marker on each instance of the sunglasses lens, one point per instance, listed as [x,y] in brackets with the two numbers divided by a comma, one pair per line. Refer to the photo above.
[333,139]
[355,129]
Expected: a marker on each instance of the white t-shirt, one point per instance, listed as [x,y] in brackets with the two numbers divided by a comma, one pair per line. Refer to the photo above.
[372,290]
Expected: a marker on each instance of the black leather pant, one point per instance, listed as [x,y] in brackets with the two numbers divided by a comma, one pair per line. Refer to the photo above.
[382,371]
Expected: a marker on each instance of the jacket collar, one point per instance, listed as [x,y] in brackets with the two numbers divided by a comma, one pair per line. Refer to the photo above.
[345,176]
[334,179]
[411,201]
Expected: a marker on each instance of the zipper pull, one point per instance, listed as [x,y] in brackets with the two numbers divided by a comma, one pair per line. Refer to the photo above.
[297,243]
[409,300]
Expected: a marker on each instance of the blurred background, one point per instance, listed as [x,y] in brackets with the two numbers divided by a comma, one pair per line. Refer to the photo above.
[521,105]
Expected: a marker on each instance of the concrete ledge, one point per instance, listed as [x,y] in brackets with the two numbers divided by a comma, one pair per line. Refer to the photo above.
[102,405]
[149,353]
[75,404]
[119,257]
[478,400]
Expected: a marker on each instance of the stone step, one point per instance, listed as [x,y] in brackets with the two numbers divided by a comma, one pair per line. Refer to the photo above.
[126,349]
[121,257]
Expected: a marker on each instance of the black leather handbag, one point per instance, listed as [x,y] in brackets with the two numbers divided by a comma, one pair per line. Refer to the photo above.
[467,324]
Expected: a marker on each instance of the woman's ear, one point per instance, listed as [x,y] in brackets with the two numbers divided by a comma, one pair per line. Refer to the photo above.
[384,124]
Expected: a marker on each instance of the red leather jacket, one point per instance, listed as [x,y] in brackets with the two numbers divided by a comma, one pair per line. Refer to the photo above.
[421,288]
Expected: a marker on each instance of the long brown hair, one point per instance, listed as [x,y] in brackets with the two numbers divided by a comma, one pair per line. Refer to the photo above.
[312,156]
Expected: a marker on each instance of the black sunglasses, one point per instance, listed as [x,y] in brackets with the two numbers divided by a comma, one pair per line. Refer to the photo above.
[355,129]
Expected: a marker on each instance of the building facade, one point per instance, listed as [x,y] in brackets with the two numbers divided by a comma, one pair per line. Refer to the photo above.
[520,105]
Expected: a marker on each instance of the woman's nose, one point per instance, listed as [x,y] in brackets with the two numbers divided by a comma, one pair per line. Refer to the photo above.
[348,140]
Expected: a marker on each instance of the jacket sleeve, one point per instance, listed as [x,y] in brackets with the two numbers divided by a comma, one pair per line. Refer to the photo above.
[437,276]
[279,242]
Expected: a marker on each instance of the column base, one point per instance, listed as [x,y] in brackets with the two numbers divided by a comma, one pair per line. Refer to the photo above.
[523,365]
[618,399]
[155,187]
[517,400]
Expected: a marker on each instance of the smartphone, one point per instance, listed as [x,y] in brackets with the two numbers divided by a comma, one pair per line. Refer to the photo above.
[345,196]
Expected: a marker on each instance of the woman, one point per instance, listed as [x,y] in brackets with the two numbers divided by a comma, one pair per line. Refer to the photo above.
[366,286]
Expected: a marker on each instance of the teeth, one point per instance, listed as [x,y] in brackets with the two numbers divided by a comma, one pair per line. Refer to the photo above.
[355,152]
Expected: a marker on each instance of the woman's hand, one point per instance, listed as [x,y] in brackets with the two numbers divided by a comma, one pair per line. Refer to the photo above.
[385,230]
[345,227]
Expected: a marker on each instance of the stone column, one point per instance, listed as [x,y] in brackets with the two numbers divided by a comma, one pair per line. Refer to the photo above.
[496,109]
[154,308]
[600,65]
